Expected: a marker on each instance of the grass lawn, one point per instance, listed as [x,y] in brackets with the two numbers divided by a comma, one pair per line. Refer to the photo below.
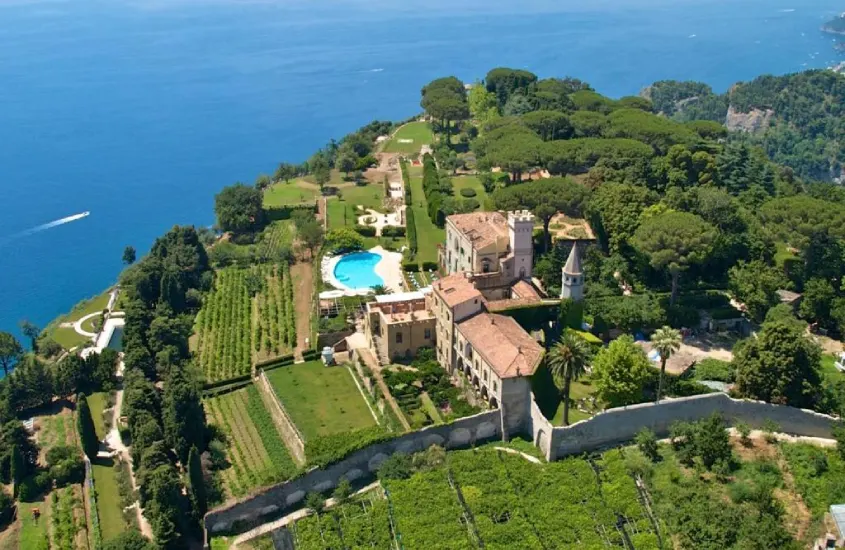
[470,182]
[67,337]
[97,402]
[579,390]
[33,534]
[280,194]
[828,370]
[782,253]
[108,498]
[428,234]
[370,196]
[321,400]
[419,132]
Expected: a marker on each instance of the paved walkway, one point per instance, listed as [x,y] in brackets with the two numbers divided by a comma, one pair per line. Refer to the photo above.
[115,443]
[371,362]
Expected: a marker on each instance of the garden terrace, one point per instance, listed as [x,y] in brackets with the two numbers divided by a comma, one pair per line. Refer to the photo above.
[255,453]
[274,315]
[362,523]
[410,138]
[321,400]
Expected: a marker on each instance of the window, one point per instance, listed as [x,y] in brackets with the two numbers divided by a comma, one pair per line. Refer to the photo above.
[428,334]
[495,386]
[485,266]
[398,337]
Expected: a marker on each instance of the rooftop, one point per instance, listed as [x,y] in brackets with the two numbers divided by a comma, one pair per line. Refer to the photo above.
[456,289]
[405,311]
[504,345]
[481,228]
[573,263]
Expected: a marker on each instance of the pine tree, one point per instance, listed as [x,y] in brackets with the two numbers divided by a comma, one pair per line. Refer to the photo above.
[85,426]
[196,482]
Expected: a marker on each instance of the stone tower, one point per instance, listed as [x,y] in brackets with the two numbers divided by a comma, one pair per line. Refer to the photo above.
[572,282]
[521,233]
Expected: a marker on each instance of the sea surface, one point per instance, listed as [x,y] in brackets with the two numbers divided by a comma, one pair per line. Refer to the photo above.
[140,111]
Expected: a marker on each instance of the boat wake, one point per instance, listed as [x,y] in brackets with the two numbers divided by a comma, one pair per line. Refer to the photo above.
[44,226]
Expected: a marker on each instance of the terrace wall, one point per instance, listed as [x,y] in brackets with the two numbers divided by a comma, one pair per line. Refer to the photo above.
[620,425]
[358,467]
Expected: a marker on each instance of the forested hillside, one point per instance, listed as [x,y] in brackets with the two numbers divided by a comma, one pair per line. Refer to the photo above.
[806,127]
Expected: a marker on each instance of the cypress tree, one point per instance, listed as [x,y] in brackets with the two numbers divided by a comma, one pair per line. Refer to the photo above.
[196,482]
[17,468]
[85,426]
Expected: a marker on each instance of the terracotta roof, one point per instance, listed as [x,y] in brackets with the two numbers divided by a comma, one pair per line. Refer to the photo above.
[524,290]
[456,289]
[503,344]
[482,228]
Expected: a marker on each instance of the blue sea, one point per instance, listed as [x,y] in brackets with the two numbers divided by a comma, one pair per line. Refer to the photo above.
[140,111]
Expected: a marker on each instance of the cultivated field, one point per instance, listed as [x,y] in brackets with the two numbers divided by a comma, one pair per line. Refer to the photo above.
[364,523]
[274,319]
[255,451]
[321,400]
[223,347]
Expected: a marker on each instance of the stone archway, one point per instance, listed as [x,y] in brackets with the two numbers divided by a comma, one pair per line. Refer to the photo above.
[484,393]
[494,404]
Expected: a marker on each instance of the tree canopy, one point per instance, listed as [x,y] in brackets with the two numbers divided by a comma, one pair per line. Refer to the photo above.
[620,372]
[239,208]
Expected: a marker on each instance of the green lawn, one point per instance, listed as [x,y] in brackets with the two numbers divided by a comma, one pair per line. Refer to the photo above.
[280,194]
[97,402]
[108,498]
[33,535]
[470,182]
[782,253]
[370,196]
[428,234]
[829,370]
[579,390]
[67,337]
[419,132]
[321,400]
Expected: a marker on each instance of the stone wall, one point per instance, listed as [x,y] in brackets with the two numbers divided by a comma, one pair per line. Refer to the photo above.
[358,467]
[619,425]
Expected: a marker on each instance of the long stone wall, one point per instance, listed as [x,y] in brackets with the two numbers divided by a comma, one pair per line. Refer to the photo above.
[620,425]
[359,466]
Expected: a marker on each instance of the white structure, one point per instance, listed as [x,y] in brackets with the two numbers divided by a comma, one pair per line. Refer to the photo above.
[572,280]
[521,233]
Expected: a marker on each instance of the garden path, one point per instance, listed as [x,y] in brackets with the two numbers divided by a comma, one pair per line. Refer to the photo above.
[302,275]
[371,362]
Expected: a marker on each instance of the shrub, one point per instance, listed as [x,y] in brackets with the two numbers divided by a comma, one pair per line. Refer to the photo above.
[411,229]
[744,431]
[714,369]
[429,266]
[342,491]
[468,205]
[410,267]
[34,486]
[7,507]
[647,443]
[315,502]
[365,230]
[397,466]
[468,192]
[343,239]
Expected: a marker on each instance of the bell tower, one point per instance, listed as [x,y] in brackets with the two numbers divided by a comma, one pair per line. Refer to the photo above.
[572,280]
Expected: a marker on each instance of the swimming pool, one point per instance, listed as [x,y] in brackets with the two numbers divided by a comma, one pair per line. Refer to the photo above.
[357,271]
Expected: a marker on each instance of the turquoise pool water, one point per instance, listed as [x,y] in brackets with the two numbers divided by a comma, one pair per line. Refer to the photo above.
[358,270]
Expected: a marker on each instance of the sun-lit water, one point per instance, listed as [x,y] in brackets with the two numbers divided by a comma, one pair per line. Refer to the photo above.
[357,271]
[139,111]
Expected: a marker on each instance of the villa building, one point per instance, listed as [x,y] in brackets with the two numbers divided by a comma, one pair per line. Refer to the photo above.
[488,258]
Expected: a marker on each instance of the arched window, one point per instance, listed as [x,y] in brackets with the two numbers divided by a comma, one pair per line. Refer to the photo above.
[521,272]
[485,266]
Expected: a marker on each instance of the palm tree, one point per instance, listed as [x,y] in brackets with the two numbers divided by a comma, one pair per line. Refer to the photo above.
[567,361]
[666,341]
[380,290]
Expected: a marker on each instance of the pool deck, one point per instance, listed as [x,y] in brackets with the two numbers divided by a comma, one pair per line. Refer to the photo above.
[389,268]
[102,343]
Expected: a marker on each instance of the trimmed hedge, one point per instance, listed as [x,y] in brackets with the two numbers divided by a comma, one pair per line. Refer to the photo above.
[328,449]
[468,192]
[365,230]
[428,266]
[411,229]
[392,231]
[410,267]
[285,212]
[221,383]
[213,392]
[284,359]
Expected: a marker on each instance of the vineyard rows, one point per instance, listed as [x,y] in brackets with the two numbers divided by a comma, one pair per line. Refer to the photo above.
[223,327]
[359,524]
[68,518]
[508,503]
[255,451]
[274,331]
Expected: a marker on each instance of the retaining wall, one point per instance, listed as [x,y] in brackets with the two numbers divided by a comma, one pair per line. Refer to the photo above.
[357,467]
[620,425]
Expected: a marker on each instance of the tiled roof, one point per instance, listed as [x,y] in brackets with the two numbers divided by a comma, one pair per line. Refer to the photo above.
[503,344]
[573,263]
[456,289]
[482,228]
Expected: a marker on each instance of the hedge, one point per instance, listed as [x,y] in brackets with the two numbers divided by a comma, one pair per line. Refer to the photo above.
[220,390]
[392,231]
[328,449]
[285,212]
[468,192]
[284,359]
[365,230]
[410,267]
[430,266]
[220,383]
[411,229]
